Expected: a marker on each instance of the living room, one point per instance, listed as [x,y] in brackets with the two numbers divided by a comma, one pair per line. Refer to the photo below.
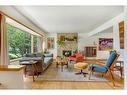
[52,42]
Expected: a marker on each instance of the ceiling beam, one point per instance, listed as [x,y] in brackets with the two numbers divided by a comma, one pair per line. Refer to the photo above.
[28,17]
[12,13]
[107,24]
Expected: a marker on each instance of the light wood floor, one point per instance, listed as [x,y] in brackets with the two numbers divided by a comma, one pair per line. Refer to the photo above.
[29,84]
[71,85]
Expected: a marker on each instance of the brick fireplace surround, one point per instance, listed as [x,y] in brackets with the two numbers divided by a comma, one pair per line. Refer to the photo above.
[71,43]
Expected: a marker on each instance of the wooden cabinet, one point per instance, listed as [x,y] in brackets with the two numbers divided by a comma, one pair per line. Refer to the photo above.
[91,51]
[121,34]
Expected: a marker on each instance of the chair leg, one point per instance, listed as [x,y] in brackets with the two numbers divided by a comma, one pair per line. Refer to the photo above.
[56,65]
[102,75]
[121,72]
[67,65]
[90,74]
[112,78]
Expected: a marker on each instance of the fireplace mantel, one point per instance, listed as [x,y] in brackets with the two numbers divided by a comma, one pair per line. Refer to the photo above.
[68,45]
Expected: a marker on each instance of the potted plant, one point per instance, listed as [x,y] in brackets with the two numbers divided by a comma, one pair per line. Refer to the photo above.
[75,38]
[60,43]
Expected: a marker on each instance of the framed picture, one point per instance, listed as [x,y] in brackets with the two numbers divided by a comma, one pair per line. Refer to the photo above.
[50,43]
[105,44]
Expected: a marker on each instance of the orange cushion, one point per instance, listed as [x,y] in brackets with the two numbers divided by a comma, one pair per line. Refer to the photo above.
[81,65]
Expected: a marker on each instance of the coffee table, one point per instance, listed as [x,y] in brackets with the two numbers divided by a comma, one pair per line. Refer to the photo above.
[61,61]
[33,65]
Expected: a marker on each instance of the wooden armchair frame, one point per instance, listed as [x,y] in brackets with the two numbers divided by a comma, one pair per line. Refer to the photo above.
[109,70]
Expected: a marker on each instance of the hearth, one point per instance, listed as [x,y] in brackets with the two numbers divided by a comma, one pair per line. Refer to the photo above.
[67,53]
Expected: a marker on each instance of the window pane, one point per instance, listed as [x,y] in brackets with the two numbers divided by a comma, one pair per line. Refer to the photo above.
[35,43]
[19,42]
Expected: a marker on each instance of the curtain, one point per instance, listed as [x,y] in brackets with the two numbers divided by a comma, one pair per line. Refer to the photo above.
[4,56]
[39,49]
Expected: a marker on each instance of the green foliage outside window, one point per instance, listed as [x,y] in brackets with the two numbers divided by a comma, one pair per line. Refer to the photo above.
[19,42]
[35,43]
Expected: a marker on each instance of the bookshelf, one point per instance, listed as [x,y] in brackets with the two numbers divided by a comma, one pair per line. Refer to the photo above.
[91,51]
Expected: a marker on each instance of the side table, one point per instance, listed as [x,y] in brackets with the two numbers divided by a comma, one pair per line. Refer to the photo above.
[61,62]
[33,65]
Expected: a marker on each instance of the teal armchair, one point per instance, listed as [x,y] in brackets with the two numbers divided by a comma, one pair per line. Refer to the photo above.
[107,67]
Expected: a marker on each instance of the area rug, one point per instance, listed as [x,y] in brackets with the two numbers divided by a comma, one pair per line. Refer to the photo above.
[68,74]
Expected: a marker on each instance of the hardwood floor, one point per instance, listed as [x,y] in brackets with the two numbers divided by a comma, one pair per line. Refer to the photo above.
[29,84]
[44,85]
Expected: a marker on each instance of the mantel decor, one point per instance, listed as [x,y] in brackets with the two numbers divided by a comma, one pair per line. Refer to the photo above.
[66,42]
[60,42]
[73,38]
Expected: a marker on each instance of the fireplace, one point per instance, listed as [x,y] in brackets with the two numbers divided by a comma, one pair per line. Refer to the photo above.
[67,53]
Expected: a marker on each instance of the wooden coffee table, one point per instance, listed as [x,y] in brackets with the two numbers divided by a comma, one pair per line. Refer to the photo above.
[61,62]
[33,65]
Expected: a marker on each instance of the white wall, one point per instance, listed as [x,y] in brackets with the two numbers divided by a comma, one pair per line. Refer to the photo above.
[112,23]
[89,41]
[117,41]
[54,51]
[125,50]
[84,41]
[116,36]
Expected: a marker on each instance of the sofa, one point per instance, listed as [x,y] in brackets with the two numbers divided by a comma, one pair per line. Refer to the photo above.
[43,60]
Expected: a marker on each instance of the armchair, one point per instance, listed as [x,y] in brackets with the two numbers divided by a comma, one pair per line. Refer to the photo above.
[78,57]
[107,67]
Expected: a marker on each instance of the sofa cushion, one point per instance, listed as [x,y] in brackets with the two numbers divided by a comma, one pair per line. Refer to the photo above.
[98,68]
[30,58]
[39,54]
[47,59]
[48,55]
[78,55]
[29,55]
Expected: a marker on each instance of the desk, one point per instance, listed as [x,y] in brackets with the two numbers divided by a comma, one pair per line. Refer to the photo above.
[33,65]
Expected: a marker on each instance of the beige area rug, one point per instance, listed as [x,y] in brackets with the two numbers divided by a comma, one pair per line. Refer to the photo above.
[68,74]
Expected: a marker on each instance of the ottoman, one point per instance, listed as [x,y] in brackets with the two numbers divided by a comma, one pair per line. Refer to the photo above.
[81,66]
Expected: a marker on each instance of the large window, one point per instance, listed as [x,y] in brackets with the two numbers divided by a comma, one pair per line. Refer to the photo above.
[19,42]
[35,39]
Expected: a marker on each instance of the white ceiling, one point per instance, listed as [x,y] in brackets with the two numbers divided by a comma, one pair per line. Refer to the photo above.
[13,13]
[108,30]
[69,18]
[15,24]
